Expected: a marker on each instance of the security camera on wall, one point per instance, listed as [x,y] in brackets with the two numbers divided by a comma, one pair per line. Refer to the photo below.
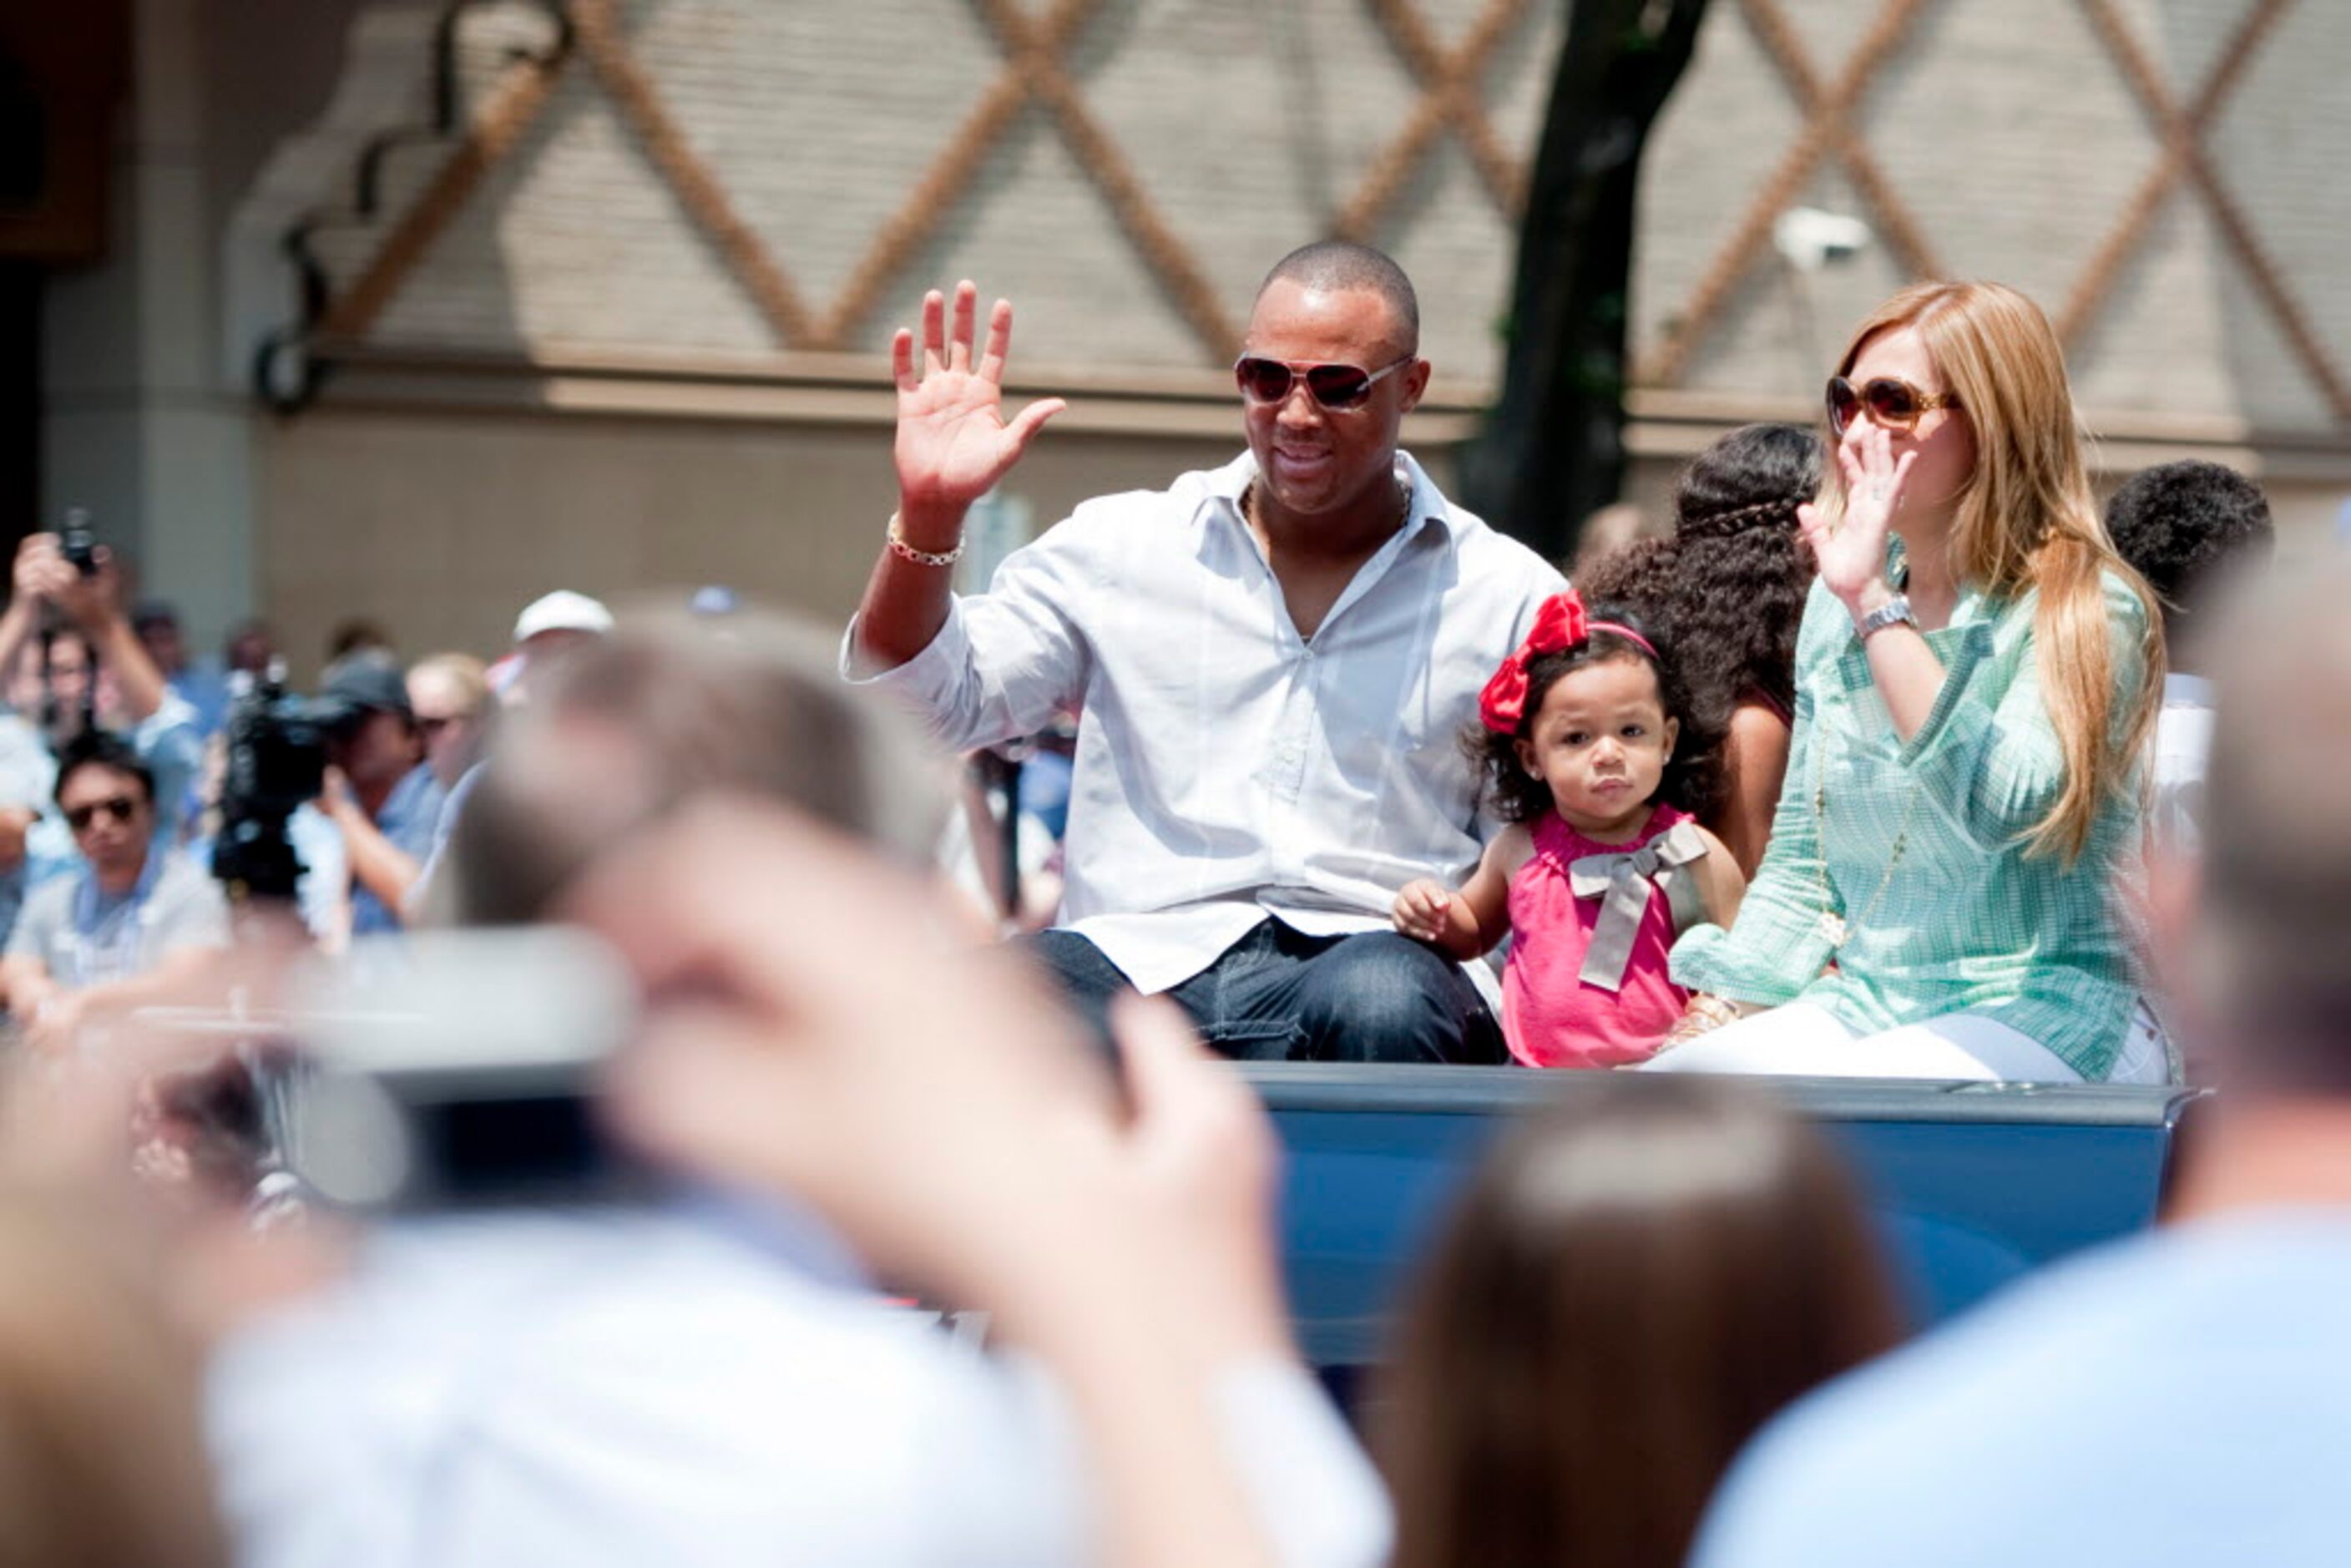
[1809,238]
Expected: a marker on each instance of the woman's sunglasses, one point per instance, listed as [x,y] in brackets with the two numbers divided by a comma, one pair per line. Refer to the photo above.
[1892,403]
[1335,387]
[119,807]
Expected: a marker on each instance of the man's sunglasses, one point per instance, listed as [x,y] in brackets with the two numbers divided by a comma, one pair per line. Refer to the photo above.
[1336,387]
[119,807]
[1892,403]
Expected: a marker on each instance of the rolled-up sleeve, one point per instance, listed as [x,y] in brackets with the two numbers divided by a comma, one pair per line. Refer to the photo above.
[1988,759]
[1004,661]
[1776,947]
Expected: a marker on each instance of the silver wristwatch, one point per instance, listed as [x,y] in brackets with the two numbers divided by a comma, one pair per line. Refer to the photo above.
[1894,610]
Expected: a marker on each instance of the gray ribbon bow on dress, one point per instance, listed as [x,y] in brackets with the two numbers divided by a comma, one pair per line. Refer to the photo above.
[1624,880]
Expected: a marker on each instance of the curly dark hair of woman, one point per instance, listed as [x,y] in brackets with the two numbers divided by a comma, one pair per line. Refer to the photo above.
[1693,778]
[1729,588]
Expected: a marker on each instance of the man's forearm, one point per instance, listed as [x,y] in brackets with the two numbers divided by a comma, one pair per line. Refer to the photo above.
[380,866]
[907,600]
[135,674]
[17,627]
[163,983]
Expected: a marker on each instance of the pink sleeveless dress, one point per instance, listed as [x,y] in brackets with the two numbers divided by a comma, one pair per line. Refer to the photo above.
[1550,1015]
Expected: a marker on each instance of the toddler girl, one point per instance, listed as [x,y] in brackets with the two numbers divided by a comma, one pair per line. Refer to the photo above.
[1594,761]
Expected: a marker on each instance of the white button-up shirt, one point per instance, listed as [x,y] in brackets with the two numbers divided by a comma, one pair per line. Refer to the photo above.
[1226,768]
[625,1387]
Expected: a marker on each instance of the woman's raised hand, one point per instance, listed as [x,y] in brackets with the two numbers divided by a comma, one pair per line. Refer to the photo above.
[954,442]
[1851,551]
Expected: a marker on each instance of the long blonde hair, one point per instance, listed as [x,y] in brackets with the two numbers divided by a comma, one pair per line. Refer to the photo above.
[2027,519]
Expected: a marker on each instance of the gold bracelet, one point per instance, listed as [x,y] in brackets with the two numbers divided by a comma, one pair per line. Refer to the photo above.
[904,552]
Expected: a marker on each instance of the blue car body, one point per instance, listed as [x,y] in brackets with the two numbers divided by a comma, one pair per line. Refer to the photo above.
[1972,1183]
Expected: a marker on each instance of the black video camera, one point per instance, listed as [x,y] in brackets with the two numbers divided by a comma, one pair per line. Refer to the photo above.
[277,744]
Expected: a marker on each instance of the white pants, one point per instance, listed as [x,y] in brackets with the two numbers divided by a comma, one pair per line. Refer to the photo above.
[1803,1040]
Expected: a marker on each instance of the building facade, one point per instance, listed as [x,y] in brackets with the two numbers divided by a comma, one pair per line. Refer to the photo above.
[414,311]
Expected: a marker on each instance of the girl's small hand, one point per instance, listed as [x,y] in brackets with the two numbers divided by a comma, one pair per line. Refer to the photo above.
[1851,552]
[1421,910]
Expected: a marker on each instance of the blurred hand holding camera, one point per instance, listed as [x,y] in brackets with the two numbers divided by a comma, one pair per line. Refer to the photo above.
[41,571]
[93,600]
[936,1107]
[923,1093]
[334,797]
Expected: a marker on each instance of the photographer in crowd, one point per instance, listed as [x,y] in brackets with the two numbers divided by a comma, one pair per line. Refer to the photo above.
[96,670]
[380,791]
[84,667]
[127,926]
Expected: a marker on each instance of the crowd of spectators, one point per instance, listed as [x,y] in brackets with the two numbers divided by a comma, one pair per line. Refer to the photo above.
[115,757]
[1848,774]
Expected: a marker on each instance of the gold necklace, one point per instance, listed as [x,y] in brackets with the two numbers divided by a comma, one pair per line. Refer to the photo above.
[1832,924]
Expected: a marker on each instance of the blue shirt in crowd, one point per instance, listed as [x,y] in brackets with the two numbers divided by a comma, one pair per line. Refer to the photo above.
[2181,1398]
[411,815]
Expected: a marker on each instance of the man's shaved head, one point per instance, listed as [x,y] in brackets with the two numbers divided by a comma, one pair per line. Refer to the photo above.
[2272,929]
[1335,265]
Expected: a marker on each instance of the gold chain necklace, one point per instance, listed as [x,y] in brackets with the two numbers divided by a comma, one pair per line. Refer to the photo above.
[1832,924]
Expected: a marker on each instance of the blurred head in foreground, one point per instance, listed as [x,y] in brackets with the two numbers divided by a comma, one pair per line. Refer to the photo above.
[101,1455]
[668,708]
[1636,1281]
[2254,949]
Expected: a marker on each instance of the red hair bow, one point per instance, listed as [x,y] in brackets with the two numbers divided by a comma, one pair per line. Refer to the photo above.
[1558,624]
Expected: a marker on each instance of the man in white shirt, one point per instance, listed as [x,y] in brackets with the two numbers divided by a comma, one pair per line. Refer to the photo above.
[134,922]
[1273,661]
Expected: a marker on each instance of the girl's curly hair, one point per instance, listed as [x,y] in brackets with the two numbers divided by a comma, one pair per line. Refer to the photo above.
[1693,777]
[1728,589]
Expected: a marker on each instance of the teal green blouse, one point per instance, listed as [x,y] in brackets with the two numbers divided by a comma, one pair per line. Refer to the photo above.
[1963,921]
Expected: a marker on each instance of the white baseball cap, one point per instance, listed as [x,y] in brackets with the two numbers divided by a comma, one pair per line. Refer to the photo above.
[562,611]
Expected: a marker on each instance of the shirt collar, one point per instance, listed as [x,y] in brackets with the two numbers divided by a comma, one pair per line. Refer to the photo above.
[1229,483]
[92,908]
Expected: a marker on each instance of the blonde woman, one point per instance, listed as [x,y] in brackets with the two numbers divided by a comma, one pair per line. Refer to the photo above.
[1975,677]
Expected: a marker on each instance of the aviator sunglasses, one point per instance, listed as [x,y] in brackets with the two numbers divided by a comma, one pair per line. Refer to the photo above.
[1892,401]
[119,807]
[1335,387]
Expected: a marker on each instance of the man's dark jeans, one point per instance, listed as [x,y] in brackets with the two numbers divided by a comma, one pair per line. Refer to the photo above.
[1279,996]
